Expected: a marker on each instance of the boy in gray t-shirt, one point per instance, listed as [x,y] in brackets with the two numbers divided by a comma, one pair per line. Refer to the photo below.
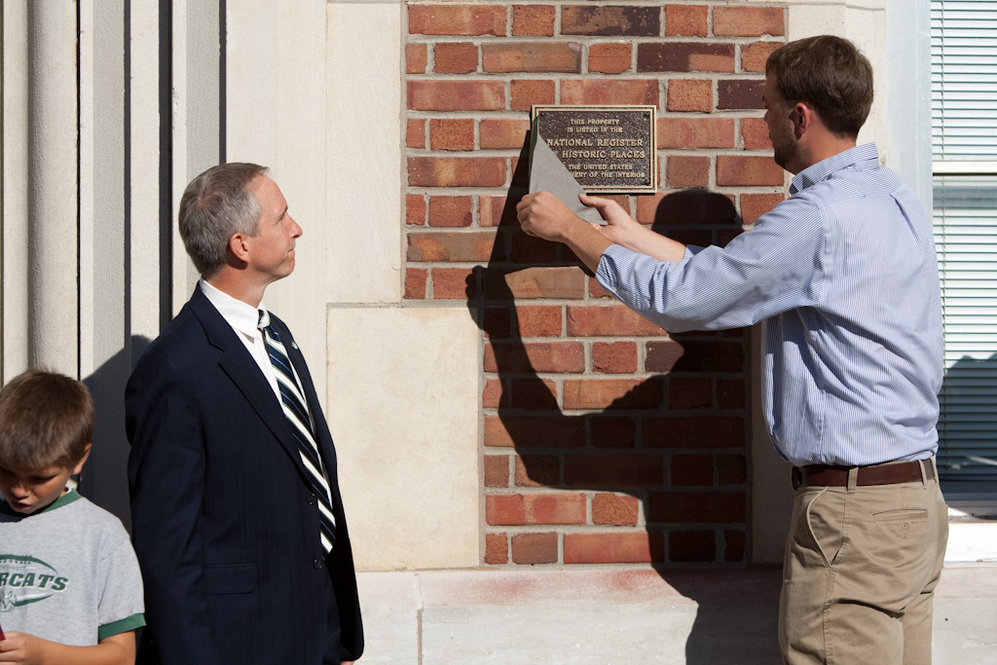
[70,587]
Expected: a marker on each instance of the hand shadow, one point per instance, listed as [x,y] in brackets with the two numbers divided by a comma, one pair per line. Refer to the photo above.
[674,441]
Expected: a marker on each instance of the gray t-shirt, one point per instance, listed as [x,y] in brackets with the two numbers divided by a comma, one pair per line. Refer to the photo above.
[68,573]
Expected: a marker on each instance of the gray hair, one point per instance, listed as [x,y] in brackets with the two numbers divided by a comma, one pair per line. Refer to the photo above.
[216,205]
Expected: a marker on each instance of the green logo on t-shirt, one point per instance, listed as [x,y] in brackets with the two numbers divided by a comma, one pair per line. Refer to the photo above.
[25,579]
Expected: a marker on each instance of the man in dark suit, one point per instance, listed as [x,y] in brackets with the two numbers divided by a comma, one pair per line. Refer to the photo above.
[228,489]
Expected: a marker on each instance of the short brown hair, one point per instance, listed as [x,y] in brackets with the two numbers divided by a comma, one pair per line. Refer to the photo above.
[829,74]
[46,419]
[216,205]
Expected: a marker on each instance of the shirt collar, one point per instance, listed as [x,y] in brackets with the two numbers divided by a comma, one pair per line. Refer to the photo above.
[860,157]
[241,316]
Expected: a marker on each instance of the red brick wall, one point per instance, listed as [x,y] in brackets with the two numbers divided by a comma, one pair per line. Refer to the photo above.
[606,440]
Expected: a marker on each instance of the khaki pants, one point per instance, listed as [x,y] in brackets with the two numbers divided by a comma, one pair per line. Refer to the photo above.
[860,569]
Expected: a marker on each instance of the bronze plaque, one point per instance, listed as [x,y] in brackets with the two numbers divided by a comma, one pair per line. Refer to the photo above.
[606,148]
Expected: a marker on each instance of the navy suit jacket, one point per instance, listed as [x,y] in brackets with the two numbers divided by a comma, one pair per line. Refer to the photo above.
[224,524]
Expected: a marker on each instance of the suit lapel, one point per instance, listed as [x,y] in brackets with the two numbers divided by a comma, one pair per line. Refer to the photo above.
[242,369]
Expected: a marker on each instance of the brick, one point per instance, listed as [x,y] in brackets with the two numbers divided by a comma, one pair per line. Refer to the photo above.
[416,58]
[614,357]
[691,470]
[662,355]
[528,250]
[491,395]
[685,57]
[531,394]
[450,210]
[687,20]
[695,133]
[450,283]
[690,95]
[754,206]
[491,208]
[505,57]
[754,56]
[692,546]
[450,246]
[595,289]
[456,172]
[609,91]
[695,207]
[612,320]
[614,509]
[455,58]
[496,548]
[518,357]
[451,134]
[453,95]
[539,320]
[731,394]
[528,509]
[531,548]
[613,393]
[537,470]
[732,469]
[612,431]
[415,283]
[697,356]
[613,471]
[540,431]
[415,209]
[561,283]
[625,547]
[524,94]
[496,470]
[696,507]
[747,171]
[748,21]
[610,58]
[610,20]
[755,134]
[496,322]
[686,433]
[734,545]
[740,94]
[684,394]
[688,171]
[502,133]
[534,20]
[415,133]
[448,19]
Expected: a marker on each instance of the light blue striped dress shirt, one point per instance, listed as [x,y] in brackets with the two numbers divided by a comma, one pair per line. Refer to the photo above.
[844,276]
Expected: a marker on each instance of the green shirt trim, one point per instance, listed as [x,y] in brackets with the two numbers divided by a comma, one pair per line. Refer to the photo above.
[133,622]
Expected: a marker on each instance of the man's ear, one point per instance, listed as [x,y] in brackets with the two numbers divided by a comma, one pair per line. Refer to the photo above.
[803,116]
[237,245]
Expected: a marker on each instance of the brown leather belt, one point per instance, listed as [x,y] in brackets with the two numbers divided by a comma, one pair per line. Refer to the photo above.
[885,474]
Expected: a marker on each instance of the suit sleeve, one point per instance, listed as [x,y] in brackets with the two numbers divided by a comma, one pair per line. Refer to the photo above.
[166,478]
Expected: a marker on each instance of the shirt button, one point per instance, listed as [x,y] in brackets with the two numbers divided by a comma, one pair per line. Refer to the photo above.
[312,499]
[317,563]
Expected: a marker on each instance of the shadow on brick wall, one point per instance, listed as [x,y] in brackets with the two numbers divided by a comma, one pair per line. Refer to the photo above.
[658,473]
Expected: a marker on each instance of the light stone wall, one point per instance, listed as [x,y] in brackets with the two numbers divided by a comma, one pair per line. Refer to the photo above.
[403,380]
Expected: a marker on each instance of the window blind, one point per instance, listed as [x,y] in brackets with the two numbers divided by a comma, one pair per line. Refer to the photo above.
[964,154]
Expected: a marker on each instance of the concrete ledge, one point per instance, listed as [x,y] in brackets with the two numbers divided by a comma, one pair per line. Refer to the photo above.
[639,616]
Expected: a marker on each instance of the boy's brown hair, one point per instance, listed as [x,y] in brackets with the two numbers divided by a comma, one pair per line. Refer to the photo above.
[46,419]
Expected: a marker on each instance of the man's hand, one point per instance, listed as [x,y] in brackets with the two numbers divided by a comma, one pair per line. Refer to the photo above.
[544,216]
[621,229]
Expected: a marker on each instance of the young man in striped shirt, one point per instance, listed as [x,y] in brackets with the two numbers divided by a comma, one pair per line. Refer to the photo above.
[843,278]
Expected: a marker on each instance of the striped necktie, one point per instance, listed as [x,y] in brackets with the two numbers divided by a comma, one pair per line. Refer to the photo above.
[293,404]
